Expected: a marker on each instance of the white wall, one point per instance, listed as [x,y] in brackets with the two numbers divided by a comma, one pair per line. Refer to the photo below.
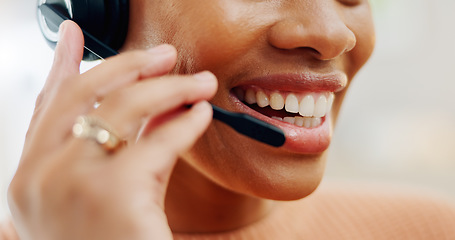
[24,60]
[398,121]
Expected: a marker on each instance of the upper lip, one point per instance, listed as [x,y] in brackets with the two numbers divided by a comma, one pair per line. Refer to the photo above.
[301,82]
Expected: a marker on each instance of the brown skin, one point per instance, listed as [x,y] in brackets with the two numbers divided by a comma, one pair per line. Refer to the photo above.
[222,182]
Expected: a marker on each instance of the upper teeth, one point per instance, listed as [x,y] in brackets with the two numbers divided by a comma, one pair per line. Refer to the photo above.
[314,105]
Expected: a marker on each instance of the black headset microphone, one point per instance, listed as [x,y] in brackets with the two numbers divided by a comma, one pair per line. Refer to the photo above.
[104,24]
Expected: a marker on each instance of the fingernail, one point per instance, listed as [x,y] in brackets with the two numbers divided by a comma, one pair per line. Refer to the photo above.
[204,76]
[61,31]
[200,106]
[160,49]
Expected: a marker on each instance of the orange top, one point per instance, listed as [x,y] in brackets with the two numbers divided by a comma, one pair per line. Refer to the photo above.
[343,212]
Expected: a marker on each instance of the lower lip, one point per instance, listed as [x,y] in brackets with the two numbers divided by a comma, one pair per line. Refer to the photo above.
[298,139]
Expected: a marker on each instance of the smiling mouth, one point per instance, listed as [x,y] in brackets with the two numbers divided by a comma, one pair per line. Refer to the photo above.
[306,110]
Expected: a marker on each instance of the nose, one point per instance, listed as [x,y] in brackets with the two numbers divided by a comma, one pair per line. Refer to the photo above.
[316,26]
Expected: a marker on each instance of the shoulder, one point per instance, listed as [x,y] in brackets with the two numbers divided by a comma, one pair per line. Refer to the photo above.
[383,212]
[7,231]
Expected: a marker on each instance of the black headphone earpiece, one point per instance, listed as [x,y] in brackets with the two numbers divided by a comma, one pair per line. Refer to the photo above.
[106,20]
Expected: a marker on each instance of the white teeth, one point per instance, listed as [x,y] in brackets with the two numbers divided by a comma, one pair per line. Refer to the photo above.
[305,122]
[276,101]
[299,121]
[315,122]
[320,107]
[250,96]
[262,99]
[312,106]
[277,118]
[292,104]
[307,106]
[290,120]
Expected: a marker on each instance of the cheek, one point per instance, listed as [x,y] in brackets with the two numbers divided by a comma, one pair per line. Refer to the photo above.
[221,45]
[216,36]
[361,23]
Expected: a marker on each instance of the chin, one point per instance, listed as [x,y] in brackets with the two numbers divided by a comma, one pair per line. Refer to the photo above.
[257,170]
[287,187]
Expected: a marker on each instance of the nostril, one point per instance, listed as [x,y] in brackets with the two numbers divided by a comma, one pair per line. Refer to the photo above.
[310,51]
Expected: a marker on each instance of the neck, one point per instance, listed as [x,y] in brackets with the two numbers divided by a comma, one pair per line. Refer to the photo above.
[195,204]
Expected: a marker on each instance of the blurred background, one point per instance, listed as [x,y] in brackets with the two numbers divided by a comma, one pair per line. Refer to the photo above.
[397,124]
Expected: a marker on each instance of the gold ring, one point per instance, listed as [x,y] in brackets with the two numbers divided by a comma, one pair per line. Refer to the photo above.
[90,127]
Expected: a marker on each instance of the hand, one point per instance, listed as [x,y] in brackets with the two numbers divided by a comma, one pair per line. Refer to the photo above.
[71,188]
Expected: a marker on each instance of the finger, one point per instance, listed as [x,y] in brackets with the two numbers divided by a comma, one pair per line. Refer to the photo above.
[77,95]
[125,69]
[68,52]
[80,94]
[179,134]
[157,152]
[125,109]
[67,58]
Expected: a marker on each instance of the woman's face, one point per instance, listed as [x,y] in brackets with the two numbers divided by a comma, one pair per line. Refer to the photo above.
[282,61]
